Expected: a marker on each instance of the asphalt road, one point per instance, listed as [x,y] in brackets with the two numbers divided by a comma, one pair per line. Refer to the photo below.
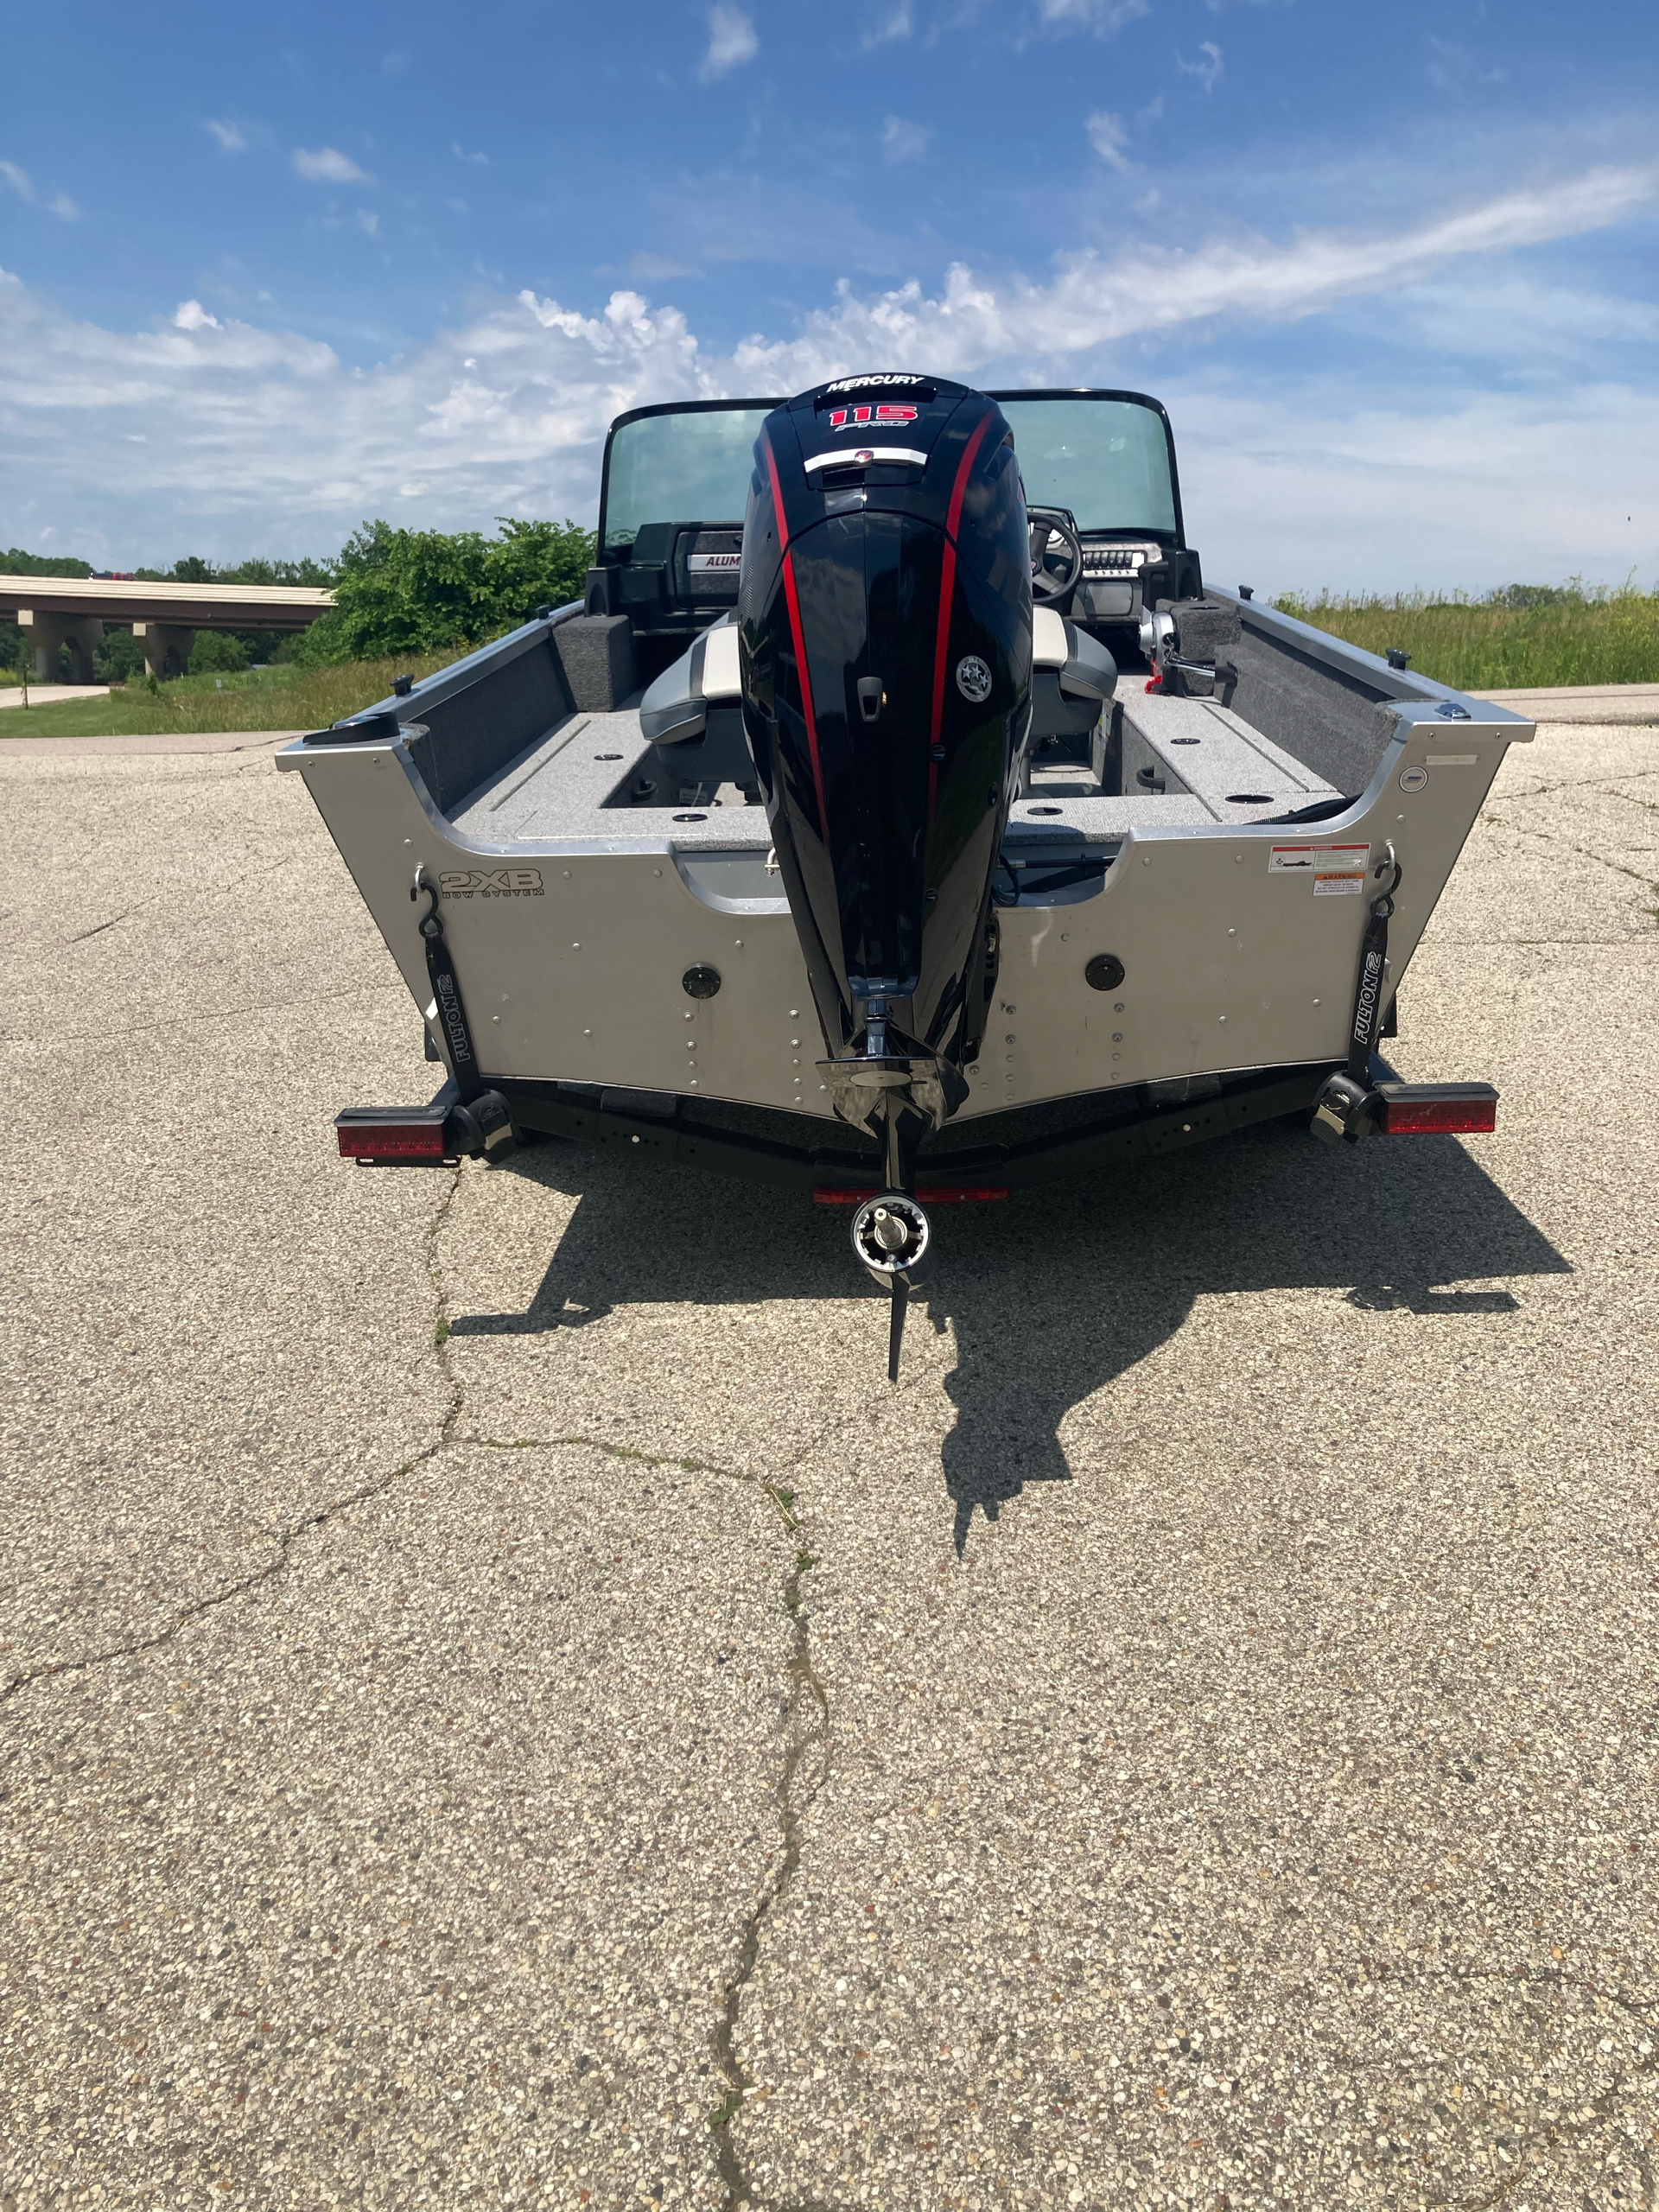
[508,1709]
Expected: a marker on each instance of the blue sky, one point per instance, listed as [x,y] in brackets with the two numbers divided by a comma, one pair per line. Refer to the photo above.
[1395,271]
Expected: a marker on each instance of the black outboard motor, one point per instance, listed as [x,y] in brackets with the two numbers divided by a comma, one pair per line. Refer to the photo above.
[884,610]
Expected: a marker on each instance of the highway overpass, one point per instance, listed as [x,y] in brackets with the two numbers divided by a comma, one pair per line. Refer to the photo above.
[75,611]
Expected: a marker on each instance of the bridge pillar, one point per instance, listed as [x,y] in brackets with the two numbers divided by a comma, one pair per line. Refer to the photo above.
[82,634]
[165,643]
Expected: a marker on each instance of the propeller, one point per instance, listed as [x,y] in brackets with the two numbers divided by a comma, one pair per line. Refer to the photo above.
[891,1236]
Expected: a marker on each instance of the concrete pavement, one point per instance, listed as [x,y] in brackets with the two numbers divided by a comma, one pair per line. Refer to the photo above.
[1602,704]
[50,695]
[507,1708]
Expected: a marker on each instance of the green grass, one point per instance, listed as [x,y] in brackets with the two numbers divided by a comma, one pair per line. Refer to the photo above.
[1527,637]
[1524,638]
[282,697]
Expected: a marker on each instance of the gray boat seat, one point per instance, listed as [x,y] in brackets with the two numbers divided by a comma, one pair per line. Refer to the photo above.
[693,716]
[675,708]
[1072,676]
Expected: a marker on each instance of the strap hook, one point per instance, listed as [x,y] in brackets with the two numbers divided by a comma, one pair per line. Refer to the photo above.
[1383,905]
[431,922]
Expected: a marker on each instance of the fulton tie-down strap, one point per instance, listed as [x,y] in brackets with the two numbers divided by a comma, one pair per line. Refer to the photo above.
[1348,1107]
[480,1116]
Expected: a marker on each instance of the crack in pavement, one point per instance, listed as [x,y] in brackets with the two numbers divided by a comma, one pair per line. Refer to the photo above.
[806,1731]
[191,1021]
[1578,784]
[806,1734]
[1585,852]
[1600,2108]
[287,1538]
[214,890]
[805,1725]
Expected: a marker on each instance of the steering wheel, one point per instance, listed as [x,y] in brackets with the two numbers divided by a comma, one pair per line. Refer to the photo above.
[1056,554]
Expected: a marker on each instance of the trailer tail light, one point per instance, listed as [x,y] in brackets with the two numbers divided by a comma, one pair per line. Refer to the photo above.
[947,1194]
[385,1134]
[1424,1109]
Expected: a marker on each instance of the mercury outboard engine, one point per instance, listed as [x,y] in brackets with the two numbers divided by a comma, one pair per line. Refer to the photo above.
[884,610]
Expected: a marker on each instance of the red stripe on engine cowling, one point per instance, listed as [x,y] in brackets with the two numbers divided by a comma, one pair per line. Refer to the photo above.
[777,495]
[947,593]
[799,639]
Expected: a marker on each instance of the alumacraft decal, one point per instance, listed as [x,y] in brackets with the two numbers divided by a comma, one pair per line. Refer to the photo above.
[1337,871]
[705,564]
[491,883]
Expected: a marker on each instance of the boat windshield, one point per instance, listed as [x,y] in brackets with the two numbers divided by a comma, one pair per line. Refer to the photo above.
[1107,459]
[690,466]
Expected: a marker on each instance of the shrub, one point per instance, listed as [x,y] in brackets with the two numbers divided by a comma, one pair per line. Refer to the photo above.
[119,657]
[408,591]
[218,653]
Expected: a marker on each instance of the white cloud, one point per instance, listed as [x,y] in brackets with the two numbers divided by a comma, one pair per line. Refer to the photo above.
[902,141]
[656,268]
[900,24]
[1109,140]
[58,203]
[1328,488]
[732,40]
[1142,291]
[462,154]
[266,437]
[327,165]
[1495,317]
[1105,18]
[230,137]
[1206,68]
[368,220]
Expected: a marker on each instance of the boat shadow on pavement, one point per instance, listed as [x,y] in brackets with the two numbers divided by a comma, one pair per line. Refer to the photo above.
[1060,1291]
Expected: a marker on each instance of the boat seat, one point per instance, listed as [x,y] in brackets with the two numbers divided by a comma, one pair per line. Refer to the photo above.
[692,713]
[692,717]
[1072,676]
[675,708]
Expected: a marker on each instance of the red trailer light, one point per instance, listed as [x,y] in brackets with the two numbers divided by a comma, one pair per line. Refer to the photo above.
[391,1140]
[1424,1110]
[953,1194]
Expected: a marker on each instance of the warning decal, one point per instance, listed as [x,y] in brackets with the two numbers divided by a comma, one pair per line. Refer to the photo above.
[1337,870]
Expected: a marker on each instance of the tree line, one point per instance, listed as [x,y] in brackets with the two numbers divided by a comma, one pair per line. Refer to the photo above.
[396,591]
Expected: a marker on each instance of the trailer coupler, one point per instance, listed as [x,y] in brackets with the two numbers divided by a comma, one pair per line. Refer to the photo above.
[434,1135]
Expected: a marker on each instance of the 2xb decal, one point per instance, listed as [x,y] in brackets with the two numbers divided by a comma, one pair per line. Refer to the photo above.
[491,883]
